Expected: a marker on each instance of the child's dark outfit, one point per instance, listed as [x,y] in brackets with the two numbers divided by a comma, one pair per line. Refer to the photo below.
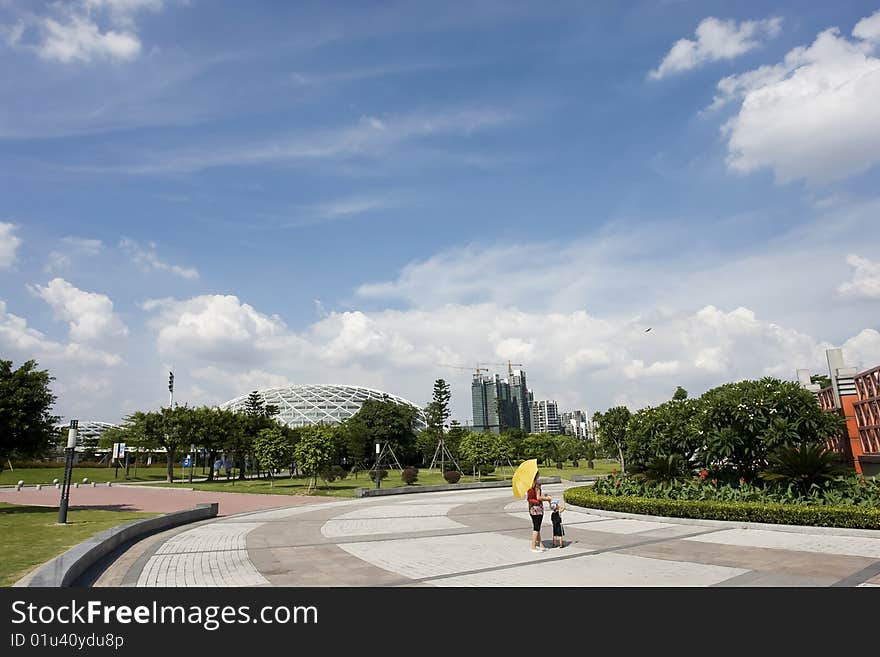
[556,519]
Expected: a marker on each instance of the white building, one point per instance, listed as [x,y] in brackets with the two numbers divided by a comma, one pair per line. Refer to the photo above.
[577,424]
[545,417]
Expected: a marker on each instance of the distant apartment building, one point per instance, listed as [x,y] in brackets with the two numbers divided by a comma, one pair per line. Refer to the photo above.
[545,417]
[856,397]
[577,424]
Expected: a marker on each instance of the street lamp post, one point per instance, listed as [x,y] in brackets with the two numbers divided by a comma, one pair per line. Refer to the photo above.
[378,478]
[68,471]
[192,451]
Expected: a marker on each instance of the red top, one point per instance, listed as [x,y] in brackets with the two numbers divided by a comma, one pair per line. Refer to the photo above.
[532,497]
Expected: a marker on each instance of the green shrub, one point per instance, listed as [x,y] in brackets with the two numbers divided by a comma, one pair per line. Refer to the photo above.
[452,476]
[380,474]
[858,517]
[803,467]
[409,475]
[333,473]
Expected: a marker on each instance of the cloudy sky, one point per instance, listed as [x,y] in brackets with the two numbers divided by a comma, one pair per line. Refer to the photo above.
[269,192]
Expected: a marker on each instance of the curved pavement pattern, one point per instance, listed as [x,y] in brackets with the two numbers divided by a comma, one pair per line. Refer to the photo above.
[481,538]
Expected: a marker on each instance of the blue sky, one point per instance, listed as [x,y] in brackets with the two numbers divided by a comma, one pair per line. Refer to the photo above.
[270,192]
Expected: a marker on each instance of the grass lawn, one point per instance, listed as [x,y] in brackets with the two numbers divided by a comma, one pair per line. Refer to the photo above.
[29,535]
[102,474]
[346,487]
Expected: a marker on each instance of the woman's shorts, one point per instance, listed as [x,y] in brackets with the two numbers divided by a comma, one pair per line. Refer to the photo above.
[536,522]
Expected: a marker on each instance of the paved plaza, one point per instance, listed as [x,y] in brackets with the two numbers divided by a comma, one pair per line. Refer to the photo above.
[481,538]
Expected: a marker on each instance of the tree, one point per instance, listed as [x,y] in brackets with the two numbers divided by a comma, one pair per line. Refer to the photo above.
[255,417]
[515,438]
[479,448]
[453,437]
[539,446]
[210,432]
[382,421]
[314,452]
[743,423]
[254,406]
[437,412]
[436,415]
[611,427]
[27,426]
[564,448]
[143,431]
[589,453]
[822,379]
[665,430]
[179,430]
[680,394]
[272,449]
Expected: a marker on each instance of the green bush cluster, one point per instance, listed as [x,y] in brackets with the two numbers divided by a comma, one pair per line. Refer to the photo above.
[737,428]
[857,517]
[851,490]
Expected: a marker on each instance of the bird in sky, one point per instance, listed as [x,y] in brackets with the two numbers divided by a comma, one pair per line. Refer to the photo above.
[648,329]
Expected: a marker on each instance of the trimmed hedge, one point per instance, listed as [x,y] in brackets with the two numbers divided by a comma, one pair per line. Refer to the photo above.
[854,517]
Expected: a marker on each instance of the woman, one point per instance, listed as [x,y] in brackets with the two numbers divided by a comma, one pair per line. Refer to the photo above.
[536,500]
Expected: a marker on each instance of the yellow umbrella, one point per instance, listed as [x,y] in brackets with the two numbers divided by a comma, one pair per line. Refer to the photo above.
[524,477]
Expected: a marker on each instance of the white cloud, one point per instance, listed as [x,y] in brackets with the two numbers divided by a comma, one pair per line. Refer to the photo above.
[84,245]
[17,338]
[863,350]
[83,30]
[123,9]
[813,116]
[149,260]
[716,39]
[339,209]
[370,137]
[90,315]
[9,244]
[58,260]
[402,351]
[78,38]
[868,28]
[248,380]
[214,328]
[865,283]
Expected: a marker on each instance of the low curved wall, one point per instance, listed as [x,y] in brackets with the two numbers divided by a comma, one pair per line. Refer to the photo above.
[64,569]
[402,490]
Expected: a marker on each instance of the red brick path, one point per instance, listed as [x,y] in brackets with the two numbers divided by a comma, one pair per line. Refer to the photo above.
[153,498]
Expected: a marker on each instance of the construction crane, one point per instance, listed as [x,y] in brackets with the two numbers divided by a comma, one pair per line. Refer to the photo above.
[510,366]
[476,369]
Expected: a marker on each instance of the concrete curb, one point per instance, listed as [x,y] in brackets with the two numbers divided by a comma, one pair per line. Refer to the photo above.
[581,478]
[64,569]
[730,524]
[403,490]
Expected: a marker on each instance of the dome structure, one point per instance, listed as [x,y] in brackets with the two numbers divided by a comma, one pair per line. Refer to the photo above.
[87,435]
[305,405]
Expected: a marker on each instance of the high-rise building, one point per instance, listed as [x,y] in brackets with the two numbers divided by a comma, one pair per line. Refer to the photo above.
[545,417]
[521,397]
[492,404]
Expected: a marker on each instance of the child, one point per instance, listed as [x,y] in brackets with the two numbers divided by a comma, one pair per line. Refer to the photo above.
[556,518]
